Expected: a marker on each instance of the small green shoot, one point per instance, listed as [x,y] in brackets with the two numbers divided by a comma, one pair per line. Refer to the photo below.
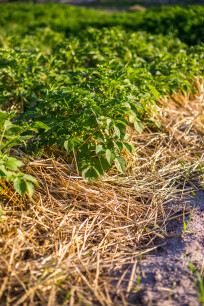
[67,297]
[188,172]
[138,281]
[185,224]
[199,282]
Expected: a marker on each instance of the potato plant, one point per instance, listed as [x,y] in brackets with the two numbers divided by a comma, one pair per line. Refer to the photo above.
[80,90]
[185,23]
[13,135]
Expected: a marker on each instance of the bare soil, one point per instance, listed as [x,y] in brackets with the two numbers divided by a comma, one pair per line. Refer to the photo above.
[166,278]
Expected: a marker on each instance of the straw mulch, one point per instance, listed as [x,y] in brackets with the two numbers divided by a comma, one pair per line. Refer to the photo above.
[62,246]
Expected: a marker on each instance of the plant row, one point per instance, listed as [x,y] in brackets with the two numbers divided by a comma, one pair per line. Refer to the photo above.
[185,23]
[81,93]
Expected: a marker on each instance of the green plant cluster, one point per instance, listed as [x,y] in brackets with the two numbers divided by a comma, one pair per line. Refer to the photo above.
[185,23]
[13,135]
[81,92]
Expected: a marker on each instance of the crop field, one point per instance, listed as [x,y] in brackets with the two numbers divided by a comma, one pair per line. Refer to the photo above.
[101,119]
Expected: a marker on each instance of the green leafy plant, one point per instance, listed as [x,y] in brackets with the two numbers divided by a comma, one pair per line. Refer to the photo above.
[81,90]
[12,135]
[184,23]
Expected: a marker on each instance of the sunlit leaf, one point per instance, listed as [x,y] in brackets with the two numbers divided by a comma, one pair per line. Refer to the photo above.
[90,174]
[20,186]
[120,164]
[110,156]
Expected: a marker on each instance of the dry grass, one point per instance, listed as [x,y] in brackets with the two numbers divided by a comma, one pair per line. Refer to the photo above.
[63,246]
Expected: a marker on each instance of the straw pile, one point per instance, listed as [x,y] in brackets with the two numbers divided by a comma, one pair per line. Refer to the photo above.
[63,246]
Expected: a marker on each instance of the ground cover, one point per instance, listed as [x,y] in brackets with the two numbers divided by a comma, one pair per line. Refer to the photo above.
[110,105]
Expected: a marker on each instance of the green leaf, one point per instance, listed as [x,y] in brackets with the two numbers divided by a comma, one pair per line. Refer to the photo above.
[3,115]
[139,127]
[82,165]
[158,124]
[100,149]
[120,164]
[95,162]
[68,145]
[12,131]
[119,145]
[155,93]
[10,165]
[90,122]
[134,107]
[7,123]
[110,156]
[76,140]
[90,174]
[128,147]
[139,104]
[83,158]
[132,119]
[122,121]
[30,188]
[30,178]
[107,132]
[110,143]
[3,172]
[105,164]
[10,175]
[40,125]
[120,130]
[99,136]
[20,186]
[109,123]
[26,137]
[127,105]
[13,164]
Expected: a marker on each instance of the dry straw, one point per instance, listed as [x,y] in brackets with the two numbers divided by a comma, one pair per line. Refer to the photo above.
[71,243]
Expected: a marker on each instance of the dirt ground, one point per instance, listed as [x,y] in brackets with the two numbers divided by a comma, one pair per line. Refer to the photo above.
[165,277]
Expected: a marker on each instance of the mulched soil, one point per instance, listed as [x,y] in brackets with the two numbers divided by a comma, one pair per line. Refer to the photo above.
[79,244]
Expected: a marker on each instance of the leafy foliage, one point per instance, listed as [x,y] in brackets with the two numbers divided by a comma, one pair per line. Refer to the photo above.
[185,23]
[12,135]
[81,92]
